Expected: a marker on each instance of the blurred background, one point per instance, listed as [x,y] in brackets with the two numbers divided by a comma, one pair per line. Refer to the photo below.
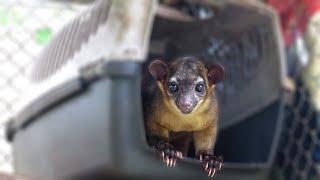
[26,26]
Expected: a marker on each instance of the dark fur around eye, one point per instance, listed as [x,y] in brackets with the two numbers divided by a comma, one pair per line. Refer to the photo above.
[200,87]
[173,87]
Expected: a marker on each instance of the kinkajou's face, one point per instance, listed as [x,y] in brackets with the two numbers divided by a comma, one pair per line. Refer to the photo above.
[186,81]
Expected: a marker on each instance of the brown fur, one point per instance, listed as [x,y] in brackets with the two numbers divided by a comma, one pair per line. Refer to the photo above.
[164,122]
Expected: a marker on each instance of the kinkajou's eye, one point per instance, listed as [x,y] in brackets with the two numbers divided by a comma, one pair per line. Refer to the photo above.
[200,87]
[173,87]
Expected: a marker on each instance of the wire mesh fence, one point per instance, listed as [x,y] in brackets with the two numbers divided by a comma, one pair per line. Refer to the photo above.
[299,150]
[25,27]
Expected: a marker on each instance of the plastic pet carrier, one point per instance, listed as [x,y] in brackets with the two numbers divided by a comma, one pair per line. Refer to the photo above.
[82,118]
